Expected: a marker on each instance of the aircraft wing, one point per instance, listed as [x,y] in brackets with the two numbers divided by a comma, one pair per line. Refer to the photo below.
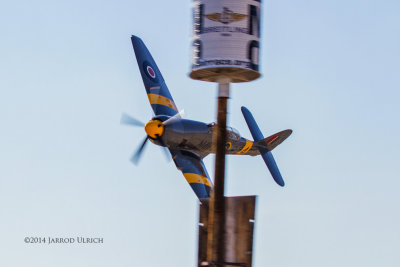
[157,91]
[192,167]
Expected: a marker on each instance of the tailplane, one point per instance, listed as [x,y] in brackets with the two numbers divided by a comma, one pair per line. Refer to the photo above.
[265,145]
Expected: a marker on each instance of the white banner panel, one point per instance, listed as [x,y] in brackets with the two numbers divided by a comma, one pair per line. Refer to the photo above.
[226,39]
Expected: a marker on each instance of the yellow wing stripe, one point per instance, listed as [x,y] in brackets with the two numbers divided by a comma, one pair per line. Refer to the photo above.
[246,148]
[161,100]
[196,178]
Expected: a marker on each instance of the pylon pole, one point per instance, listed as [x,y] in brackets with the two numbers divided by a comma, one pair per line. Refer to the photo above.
[216,232]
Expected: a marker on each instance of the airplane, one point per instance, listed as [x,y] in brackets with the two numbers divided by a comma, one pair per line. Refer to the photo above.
[189,141]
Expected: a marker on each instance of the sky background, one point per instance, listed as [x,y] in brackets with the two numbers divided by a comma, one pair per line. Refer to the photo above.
[330,71]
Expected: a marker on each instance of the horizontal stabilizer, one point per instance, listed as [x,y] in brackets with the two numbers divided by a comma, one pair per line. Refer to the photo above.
[273,168]
[264,145]
[274,140]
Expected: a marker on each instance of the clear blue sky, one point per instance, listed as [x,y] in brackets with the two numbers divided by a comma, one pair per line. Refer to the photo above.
[330,71]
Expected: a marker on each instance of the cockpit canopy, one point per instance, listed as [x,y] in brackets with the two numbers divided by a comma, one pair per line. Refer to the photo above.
[231,132]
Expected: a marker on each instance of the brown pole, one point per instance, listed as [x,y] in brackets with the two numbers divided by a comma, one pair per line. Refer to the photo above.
[216,219]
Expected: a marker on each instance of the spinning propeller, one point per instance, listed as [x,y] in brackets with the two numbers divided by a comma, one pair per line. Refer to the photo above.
[155,128]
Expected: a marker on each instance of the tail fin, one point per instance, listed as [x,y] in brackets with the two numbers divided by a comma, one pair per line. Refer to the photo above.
[157,91]
[274,140]
[266,145]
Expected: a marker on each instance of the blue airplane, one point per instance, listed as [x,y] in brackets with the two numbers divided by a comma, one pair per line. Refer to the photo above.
[190,141]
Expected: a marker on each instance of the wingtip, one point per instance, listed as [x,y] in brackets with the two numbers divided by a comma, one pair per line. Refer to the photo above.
[135,38]
[279,180]
[245,111]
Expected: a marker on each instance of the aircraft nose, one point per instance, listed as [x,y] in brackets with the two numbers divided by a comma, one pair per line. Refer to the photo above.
[154,128]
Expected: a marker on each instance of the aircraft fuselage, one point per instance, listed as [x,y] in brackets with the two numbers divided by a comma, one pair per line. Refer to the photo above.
[199,138]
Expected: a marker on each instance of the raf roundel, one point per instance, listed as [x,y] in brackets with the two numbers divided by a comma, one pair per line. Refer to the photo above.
[151,72]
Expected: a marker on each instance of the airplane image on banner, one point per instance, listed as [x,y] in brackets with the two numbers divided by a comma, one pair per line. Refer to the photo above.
[189,141]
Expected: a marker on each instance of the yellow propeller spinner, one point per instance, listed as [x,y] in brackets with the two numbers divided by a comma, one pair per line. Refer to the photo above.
[154,128]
